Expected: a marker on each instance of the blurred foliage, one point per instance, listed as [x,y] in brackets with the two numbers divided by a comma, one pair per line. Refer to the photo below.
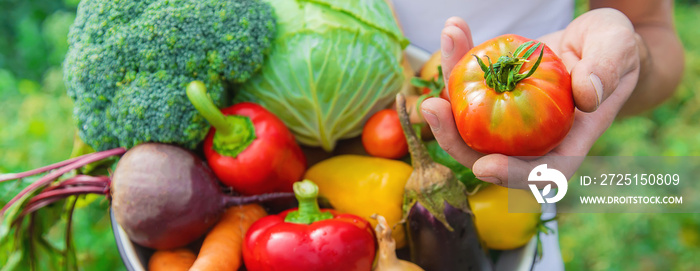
[688,2]
[36,129]
[646,241]
[35,119]
[34,35]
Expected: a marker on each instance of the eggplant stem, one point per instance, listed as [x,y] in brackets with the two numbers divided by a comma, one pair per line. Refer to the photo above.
[419,154]
[48,178]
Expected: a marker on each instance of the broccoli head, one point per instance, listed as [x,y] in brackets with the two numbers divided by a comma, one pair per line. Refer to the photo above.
[130,61]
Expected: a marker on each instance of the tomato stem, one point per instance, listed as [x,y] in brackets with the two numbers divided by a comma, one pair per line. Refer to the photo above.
[503,75]
[435,85]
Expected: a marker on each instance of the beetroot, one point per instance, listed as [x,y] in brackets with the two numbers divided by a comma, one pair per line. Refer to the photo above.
[163,196]
[166,197]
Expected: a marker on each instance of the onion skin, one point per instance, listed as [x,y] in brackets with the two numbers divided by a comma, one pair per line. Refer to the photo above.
[386,256]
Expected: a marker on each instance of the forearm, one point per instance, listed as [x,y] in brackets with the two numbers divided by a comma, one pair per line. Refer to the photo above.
[661,68]
[660,51]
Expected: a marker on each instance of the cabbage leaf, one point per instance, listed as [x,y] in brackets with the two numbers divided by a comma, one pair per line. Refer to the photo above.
[331,66]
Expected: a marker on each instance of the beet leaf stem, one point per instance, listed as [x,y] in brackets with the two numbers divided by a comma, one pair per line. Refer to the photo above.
[48,178]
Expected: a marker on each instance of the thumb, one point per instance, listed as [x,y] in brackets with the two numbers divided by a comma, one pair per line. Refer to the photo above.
[607,54]
[593,79]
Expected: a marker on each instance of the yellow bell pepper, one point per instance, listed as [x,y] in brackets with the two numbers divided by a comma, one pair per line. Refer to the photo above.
[363,186]
[498,228]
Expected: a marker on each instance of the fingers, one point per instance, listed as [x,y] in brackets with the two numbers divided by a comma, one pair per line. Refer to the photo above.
[455,42]
[498,169]
[438,114]
[607,52]
[492,168]
[512,172]
[458,22]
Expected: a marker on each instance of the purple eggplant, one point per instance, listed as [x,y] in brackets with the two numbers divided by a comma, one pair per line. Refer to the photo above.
[440,225]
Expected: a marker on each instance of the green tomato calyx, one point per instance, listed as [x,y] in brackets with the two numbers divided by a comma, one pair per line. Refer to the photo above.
[503,75]
[435,85]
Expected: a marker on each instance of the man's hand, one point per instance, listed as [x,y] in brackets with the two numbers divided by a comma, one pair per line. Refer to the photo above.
[601,51]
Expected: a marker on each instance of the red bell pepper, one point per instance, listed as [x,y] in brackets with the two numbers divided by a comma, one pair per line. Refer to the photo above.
[248,148]
[309,238]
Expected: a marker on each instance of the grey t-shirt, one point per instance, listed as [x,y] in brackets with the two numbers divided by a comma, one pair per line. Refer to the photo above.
[423,20]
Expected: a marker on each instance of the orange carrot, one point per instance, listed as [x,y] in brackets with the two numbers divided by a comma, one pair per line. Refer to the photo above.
[222,248]
[180,259]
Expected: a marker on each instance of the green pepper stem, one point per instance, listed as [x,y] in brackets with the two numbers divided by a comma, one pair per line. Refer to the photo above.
[197,93]
[233,133]
[306,193]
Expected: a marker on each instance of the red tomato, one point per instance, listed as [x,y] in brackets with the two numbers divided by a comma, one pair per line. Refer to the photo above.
[429,72]
[526,118]
[382,135]
[443,93]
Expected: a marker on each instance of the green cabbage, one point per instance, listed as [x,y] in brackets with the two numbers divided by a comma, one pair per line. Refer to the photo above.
[332,65]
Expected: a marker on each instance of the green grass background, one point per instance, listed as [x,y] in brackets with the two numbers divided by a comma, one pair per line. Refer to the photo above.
[35,129]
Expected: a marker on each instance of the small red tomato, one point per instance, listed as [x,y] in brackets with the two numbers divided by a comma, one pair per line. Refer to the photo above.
[511,95]
[383,137]
[428,91]
[431,72]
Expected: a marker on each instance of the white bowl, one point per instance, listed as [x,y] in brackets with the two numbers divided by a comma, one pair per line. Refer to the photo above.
[135,257]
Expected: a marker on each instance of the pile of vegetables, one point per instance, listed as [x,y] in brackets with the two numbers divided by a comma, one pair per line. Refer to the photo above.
[213,189]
